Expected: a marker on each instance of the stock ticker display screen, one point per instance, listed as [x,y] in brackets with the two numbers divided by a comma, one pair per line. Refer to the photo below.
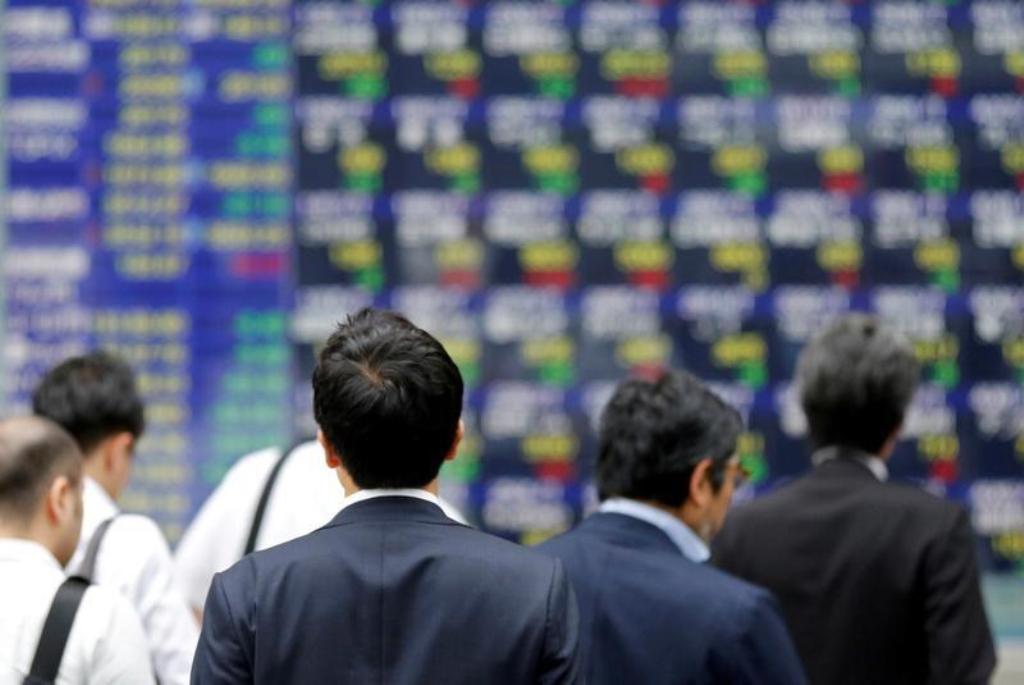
[565,193]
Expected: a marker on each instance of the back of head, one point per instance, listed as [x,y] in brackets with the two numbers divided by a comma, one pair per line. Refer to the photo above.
[33,452]
[856,380]
[654,433]
[388,399]
[92,397]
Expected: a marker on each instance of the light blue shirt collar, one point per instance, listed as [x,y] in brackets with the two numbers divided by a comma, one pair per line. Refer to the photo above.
[688,542]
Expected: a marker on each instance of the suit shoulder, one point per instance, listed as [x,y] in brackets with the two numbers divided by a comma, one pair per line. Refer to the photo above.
[732,600]
[493,547]
[676,580]
[915,496]
[733,604]
[470,543]
[919,502]
[240,577]
[736,592]
[558,543]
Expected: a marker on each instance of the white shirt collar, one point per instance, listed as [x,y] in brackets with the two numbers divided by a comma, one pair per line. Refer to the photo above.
[688,542]
[27,551]
[373,493]
[875,465]
[99,501]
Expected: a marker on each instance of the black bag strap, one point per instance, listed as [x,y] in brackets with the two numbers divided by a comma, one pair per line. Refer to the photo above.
[88,566]
[268,487]
[56,630]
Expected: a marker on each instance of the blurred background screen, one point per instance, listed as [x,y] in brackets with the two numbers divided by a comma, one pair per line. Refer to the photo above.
[564,193]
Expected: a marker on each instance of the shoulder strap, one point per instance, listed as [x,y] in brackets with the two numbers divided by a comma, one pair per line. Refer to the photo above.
[261,505]
[88,566]
[56,630]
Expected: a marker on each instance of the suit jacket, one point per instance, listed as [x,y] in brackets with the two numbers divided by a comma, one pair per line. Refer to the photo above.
[877,581]
[650,615]
[390,591]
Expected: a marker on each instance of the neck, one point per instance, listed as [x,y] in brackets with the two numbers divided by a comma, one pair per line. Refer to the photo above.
[94,470]
[351,488]
[884,453]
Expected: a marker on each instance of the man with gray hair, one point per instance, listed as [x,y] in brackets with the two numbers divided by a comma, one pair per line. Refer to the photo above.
[54,630]
[878,582]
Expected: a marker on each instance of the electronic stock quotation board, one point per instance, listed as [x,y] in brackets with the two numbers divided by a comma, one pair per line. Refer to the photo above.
[565,193]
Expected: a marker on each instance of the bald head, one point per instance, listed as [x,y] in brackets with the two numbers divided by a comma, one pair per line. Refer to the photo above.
[33,452]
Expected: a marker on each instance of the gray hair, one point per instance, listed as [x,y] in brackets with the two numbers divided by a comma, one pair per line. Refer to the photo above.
[856,380]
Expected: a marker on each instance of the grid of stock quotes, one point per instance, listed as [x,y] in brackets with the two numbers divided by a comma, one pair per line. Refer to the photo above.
[563,192]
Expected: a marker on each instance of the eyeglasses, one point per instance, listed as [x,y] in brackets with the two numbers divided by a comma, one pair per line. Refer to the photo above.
[739,473]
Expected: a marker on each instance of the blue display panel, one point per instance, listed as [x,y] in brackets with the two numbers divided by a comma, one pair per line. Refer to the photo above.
[564,192]
[149,202]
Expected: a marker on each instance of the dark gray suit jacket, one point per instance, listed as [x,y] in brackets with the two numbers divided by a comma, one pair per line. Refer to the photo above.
[877,581]
[390,591]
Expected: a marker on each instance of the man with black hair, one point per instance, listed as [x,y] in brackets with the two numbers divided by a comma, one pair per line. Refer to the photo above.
[651,610]
[95,399]
[391,590]
[878,582]
[40,519]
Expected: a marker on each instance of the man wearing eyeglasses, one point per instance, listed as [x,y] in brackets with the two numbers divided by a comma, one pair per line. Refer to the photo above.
[651,610]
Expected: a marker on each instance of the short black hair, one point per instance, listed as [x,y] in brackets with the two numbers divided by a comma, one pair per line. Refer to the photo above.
[92,397]
[654,433]
[33,451]
[856,380]
[388,398]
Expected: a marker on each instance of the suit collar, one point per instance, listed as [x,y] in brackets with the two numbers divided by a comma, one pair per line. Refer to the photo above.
[847,461]
[627,531]
[374,493]
[688,542]
[391,508]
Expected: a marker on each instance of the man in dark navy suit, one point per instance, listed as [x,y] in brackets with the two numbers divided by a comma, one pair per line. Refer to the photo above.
[651,610]
[390,591]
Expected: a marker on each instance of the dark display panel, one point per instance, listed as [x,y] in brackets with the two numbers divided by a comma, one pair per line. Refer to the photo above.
[564,192]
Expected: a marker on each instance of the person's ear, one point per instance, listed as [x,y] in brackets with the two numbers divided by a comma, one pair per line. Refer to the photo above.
[122,445]
[701,491]
[114,450]
[460,432]
[125,441]
[331,456]
[60,500]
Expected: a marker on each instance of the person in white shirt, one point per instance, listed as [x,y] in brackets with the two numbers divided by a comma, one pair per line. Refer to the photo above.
[40,520]
[95,399]
[300,500]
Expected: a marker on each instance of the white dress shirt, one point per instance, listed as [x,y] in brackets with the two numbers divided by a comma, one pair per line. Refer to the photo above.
[306,496]
[688,542]
[134,560]
[106,645]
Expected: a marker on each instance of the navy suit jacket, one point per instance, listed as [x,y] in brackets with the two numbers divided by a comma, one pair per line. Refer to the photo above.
[650,615]
[391,591]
